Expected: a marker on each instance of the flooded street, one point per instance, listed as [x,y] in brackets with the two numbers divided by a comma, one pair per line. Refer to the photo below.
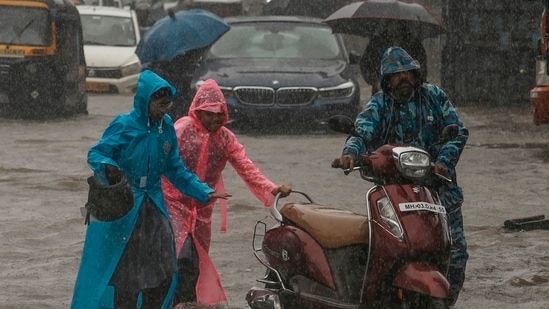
[503,171]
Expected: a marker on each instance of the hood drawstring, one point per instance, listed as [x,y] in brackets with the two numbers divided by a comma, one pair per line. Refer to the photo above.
[160,125]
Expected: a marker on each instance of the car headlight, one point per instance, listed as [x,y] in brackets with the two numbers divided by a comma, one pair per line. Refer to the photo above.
[198,84]
[131,69]
[344,90]
[388,215]
[412,162]
[227,91]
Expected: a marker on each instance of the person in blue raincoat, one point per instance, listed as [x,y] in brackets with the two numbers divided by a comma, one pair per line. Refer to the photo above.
[132,260]
[408,111]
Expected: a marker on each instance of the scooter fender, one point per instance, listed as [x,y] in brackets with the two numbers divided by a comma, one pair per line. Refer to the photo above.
[422,277]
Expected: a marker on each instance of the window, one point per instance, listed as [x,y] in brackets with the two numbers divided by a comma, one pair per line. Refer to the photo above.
[108,30]
[273,41]
[25,26]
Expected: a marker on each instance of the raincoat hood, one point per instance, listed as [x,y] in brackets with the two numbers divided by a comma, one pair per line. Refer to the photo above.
[209,97]
[147,84]
[396,59]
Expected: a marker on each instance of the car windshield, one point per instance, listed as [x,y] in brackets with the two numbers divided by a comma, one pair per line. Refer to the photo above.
[25,26]
[108,30]
[276,40]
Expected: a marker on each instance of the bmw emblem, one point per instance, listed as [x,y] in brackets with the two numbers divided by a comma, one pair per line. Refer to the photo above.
[275,82]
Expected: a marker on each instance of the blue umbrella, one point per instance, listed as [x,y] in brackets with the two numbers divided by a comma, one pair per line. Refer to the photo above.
[179,33]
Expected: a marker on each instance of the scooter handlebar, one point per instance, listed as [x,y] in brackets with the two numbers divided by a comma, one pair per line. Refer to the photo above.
[275,212]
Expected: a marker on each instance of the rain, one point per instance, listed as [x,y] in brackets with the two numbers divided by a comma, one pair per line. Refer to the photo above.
[486,62]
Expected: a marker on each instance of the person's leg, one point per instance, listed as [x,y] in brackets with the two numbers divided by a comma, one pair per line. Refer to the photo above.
[459,255]
[153,298]
[188,277]
[124,299]
[187,272]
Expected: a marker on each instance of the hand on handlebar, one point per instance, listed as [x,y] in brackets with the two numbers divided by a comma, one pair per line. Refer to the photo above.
[345,162]
[284,190]
[441,171]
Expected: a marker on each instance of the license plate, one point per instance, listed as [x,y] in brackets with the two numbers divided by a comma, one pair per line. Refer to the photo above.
[97,87]
[415,206]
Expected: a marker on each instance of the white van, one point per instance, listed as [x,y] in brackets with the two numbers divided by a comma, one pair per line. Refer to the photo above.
[111,3]
[110,37]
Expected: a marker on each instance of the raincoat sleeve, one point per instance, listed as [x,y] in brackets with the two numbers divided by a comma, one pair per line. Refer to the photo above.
[183,179]
[367,124]
[451,151]
[106,151]
[259,185]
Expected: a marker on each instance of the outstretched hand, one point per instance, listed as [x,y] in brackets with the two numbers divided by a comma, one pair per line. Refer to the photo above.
[219,195]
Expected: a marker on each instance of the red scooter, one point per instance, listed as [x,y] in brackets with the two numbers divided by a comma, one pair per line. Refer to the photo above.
[395,256]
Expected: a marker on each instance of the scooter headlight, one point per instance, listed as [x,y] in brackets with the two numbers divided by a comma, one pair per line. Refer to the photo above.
[412,162]
[388,215]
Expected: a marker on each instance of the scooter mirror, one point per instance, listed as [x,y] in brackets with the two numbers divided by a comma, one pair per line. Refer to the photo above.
[449,133]
[341,124]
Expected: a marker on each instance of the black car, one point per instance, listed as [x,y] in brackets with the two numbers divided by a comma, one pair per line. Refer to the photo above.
[281,71]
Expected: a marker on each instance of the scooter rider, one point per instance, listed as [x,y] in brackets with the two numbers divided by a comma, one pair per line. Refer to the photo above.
[409,111]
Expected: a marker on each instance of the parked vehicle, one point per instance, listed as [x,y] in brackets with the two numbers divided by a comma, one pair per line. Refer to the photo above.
[42,64]
[223,8]
[539,95]
[495,43]
[111,3]
[110,37]
[148,12]
[395,256]
[317,8]
[282,71]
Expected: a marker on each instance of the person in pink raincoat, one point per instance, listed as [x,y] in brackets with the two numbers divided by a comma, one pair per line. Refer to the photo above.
[206,145]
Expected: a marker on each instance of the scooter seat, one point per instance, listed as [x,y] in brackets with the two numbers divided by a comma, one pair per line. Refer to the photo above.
[331,227]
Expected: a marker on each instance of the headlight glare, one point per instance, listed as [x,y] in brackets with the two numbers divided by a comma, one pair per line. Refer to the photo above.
[131,69]
[412,162]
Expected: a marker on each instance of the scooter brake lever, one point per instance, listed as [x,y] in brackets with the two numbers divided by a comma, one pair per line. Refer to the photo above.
[443,177]
[349,170]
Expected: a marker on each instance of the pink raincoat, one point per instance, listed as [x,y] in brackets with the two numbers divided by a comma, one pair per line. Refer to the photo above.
[206,154]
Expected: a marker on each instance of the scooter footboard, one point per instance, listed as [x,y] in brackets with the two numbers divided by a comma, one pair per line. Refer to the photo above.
[422,277]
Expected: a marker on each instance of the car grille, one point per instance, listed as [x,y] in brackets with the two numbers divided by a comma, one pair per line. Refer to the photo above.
[103,73]
[268,96]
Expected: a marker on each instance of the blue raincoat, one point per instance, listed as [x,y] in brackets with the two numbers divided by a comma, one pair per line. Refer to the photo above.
[144,152]
[418,122]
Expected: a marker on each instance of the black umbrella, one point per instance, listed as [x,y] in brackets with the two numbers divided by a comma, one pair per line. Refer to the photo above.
[366,18]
